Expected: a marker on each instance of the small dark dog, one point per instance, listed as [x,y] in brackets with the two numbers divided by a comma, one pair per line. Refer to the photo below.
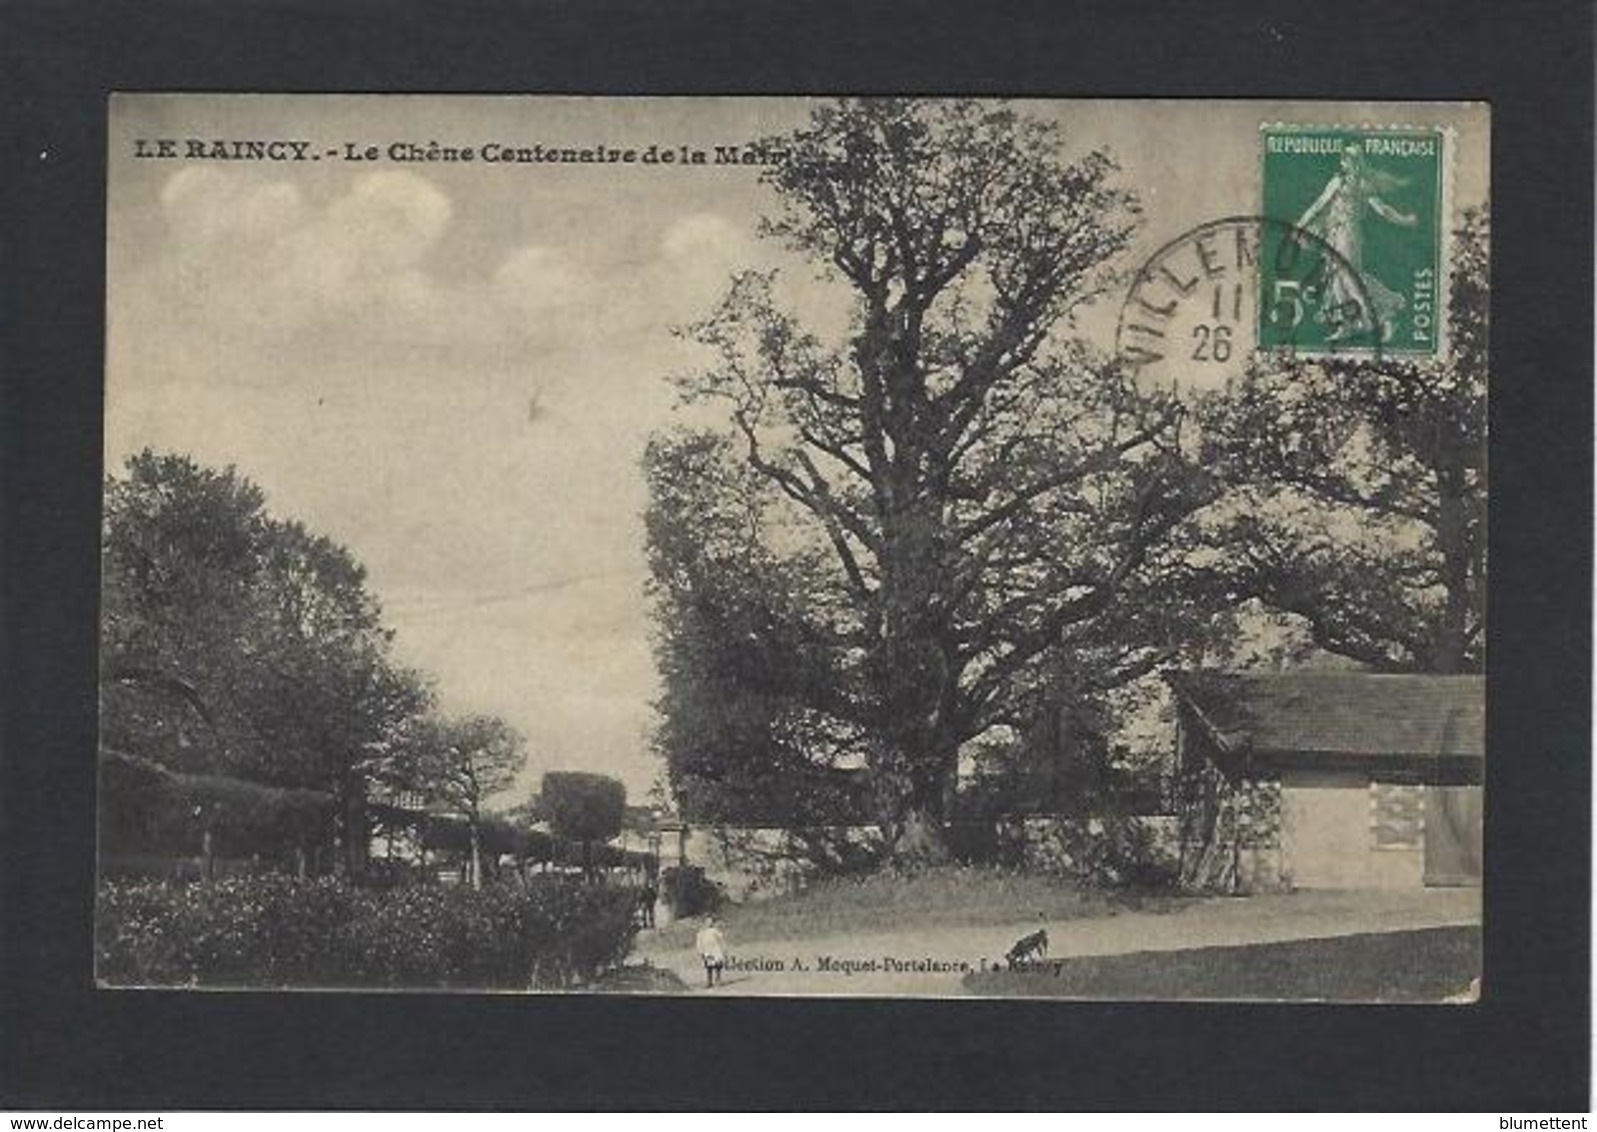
[1033,946]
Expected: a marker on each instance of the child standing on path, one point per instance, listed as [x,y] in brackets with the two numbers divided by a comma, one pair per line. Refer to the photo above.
[711,946]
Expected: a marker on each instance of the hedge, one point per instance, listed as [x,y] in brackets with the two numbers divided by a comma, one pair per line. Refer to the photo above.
[145,807]
[275,931]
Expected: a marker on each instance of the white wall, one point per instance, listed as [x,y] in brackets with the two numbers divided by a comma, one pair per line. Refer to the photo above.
[1328,835]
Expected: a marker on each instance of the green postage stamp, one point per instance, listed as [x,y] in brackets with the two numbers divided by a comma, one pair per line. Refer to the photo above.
[1352,259]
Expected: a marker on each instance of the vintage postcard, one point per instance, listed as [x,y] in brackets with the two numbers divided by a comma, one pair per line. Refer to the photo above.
[795,546]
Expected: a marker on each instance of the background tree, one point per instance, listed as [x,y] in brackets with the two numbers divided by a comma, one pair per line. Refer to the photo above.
[323,696]
[1358,490]
[583,808]
[741,651]
[180,563]
[946,515]
[234,643]
[458,765]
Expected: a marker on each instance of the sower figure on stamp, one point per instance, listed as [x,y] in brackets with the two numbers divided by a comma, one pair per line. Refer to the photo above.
[1337,217]
[711,946]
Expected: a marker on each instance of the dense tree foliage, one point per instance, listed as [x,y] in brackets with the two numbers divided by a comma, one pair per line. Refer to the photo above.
[905,540]
[582,808]
[237,644]
[1358,486]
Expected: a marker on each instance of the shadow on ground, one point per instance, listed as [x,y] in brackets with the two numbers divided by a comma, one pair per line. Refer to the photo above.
[640,978]
[1414,966]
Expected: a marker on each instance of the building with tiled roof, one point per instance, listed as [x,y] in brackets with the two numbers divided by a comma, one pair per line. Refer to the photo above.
[1331,779]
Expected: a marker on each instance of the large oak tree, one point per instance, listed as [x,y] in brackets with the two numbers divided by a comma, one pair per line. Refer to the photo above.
[942,524]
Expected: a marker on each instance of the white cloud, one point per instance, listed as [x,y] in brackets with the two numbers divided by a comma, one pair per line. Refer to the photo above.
[394,217]
[372,366]
[540,280]
[698,255]
[253,261]
[205,204]
[703,235]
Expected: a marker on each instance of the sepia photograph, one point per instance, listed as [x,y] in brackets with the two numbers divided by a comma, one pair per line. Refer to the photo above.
[774,546]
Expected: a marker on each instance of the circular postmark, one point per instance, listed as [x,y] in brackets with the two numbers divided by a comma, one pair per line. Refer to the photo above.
[1209,301]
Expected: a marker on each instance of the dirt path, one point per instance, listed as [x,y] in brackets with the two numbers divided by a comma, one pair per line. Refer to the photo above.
[932,961]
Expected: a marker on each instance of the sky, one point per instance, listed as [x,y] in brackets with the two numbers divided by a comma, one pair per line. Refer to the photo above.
[452,368]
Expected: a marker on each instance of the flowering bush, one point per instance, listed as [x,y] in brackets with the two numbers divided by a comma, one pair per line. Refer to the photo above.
[274,931]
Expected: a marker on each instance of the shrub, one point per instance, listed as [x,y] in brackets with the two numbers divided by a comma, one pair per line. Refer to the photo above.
[276,931]
[691,892]
[1115,851]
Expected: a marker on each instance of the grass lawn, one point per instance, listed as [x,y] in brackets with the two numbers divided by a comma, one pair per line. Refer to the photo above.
[952,896]
[1410,966]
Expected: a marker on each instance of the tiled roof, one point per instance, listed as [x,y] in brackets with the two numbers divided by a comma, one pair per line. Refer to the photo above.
[1339,713]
